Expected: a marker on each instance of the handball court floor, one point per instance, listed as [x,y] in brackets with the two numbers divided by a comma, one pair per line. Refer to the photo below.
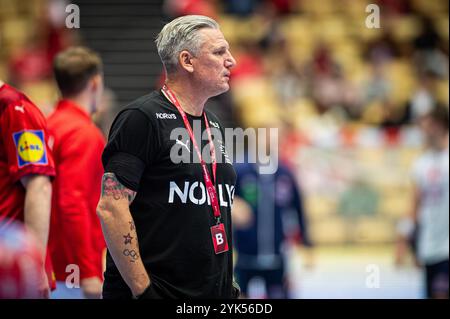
[353,272]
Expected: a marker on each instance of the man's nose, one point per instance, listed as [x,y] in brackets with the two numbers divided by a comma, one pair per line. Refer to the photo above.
[230,62]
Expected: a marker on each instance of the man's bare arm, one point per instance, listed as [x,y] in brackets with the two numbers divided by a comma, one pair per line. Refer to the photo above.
[38,194]
[120,232]
[37,206]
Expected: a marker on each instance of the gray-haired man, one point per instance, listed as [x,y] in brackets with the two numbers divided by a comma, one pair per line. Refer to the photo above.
[180,211]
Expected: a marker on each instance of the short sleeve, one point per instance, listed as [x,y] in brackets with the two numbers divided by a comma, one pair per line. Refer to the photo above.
[129,147]
[24,133]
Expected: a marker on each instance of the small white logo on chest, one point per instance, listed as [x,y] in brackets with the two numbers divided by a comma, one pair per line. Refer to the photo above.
[214,124]
[19,108]
[184,144]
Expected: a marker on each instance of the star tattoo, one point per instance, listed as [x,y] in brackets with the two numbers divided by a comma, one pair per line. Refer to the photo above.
[128,239]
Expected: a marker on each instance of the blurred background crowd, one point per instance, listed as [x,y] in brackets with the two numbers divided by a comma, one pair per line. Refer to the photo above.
[345,97]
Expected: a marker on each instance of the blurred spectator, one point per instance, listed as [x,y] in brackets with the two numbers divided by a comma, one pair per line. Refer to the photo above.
[75,233]
[176,8]
[360,199]
[30,64]
[431,202]
[382,50]
[424,97]
[378,87]
[283,7]
[249,62]
[395,7]
[244,8]
[285,74]
[241,8]
[429,38]
[327,83]
[58,36]
[429,57]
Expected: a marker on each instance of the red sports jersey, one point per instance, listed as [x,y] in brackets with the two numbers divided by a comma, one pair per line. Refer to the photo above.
[75,232]
[23,151]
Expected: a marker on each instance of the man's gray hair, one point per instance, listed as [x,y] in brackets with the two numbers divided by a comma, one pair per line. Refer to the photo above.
[181,34]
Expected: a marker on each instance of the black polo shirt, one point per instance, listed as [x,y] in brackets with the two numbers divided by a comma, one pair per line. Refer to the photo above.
[171,211]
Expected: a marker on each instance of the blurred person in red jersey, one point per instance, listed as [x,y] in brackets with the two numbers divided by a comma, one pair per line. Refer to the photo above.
[20,263]
[26,166]
[29,64]
[76,238]
[431,202]
[176,8]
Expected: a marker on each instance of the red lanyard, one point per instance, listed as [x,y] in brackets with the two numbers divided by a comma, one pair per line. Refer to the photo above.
[209,183]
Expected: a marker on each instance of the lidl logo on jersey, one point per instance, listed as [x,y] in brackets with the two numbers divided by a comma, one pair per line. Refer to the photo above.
[30,147]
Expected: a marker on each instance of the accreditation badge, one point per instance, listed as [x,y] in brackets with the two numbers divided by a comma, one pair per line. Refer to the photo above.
[219,238]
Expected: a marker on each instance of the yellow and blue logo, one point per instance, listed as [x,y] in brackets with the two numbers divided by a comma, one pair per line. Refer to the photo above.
[30,146]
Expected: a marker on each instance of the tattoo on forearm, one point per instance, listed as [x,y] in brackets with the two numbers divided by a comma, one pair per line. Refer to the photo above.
[131,253]
[112,187]
[128,238]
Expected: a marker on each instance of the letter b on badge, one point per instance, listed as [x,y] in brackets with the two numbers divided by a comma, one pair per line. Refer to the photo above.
[219,238]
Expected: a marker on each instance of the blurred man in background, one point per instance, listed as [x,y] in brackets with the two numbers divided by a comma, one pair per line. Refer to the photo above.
[431,202]
[77,144]
[26,166]
[276,206]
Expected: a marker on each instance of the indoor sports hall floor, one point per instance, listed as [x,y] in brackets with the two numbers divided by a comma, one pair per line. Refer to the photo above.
[354,272]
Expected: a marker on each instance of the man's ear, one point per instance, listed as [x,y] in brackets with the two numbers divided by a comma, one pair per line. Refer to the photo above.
[95,81]
[185,59]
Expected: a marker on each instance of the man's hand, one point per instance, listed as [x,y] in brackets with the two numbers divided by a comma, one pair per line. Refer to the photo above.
[242,213]
[92,288]
[236,293]
[43,287]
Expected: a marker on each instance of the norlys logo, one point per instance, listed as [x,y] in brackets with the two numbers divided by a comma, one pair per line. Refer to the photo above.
[166,116]
[196,193]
